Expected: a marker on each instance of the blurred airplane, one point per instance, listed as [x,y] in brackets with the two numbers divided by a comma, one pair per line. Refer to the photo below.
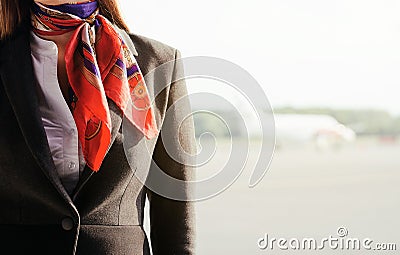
[322,131]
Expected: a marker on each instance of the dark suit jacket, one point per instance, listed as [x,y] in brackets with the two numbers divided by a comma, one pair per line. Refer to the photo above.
[105,213]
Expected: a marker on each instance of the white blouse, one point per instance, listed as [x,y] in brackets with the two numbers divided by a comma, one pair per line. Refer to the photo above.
[58,122]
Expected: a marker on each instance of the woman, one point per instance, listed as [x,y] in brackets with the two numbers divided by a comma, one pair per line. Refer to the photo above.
[69,75]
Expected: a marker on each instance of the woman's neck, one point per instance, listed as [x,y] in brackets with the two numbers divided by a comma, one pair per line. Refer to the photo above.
[61,41]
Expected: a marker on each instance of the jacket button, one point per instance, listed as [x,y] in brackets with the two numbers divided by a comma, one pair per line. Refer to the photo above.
[67,224]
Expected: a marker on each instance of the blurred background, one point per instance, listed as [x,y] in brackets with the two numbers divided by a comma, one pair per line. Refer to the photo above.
[330,70]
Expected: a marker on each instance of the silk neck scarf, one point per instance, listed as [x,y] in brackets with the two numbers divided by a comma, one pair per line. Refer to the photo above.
[98,65]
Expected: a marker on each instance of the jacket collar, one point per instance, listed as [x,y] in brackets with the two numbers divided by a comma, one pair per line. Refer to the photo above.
[127,40]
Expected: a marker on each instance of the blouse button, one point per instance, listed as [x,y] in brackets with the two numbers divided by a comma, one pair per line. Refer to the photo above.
[71,165]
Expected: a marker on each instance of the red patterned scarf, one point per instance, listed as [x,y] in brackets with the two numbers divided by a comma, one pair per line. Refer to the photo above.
[98,65]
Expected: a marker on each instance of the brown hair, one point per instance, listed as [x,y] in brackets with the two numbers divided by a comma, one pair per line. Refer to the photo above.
[15,12]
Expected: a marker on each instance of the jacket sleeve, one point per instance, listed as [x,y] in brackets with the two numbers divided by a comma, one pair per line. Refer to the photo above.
[172,222]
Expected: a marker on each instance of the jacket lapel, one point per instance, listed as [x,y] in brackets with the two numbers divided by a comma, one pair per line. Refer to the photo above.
[18,80]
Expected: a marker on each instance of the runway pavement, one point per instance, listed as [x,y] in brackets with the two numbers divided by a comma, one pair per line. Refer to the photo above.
[308,193]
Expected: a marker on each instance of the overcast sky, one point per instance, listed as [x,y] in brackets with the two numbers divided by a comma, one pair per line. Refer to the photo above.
[337,53]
